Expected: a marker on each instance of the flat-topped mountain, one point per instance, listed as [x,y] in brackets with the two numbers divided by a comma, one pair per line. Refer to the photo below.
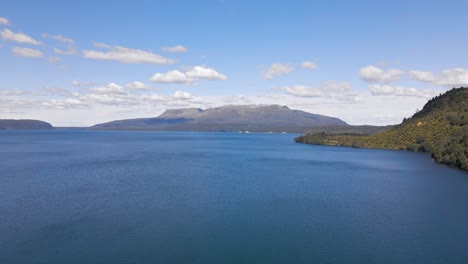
[255,118]
[23,124]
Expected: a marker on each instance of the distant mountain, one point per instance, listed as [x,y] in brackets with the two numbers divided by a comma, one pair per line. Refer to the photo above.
[11,124]
[254,118]
[440,128]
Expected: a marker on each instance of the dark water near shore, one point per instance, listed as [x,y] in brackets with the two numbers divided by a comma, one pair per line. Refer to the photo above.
[153,197]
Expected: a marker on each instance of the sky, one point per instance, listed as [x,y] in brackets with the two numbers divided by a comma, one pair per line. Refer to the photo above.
[79,63]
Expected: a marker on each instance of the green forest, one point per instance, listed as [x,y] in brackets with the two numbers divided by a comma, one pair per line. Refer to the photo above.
[440,128]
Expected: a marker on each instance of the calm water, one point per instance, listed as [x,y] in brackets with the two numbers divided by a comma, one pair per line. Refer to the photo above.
[146,197]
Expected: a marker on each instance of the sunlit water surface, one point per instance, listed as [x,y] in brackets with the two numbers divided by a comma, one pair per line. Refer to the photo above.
[160,197]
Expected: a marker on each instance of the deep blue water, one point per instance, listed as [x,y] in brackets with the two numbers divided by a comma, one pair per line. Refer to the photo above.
[157,197]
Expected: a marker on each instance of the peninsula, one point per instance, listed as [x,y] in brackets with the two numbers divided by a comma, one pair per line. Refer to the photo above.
[24,124]
[440,128]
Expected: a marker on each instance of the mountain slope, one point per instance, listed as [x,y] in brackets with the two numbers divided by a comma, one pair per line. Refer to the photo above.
[259,118]
[440,128]
[23,124]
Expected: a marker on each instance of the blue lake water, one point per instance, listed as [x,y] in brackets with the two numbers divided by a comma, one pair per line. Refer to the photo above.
[158,197]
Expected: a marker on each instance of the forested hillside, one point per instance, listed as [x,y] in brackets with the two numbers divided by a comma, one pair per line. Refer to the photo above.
[440,128]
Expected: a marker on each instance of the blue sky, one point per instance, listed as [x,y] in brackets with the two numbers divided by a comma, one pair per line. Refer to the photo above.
[367,62]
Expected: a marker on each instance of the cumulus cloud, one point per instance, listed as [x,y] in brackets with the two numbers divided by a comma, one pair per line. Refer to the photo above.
[181,95]
[309,65]
[176,49]
[190,76]
[174,76]
[111,88]
[379,89]
[373,74]
[152,98]
[27,52]
[4,21]
[448,78]
[9,35]
[200,72]
[277,69]
[110,94]
[136,85]
[423,76]
[125,55]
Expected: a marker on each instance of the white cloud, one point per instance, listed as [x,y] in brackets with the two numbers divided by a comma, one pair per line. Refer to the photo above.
[136,85]
[102,45]
[125,55]
[111,94]
[27,52]
[334,90]
[65,103]
[110,99]
[70,49]
[423,76]
[57,91]
[343,88]
[81,84]
[277,69]
[303,91]
[373,74]
[189,76]
[309,65]
[176,49]
[4,21]
[153,98]
[200,72]
[174,76]
[9,35]
[378,89]
[59,38]
[181,95]
[449,78]
[111,88]
[14,92]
